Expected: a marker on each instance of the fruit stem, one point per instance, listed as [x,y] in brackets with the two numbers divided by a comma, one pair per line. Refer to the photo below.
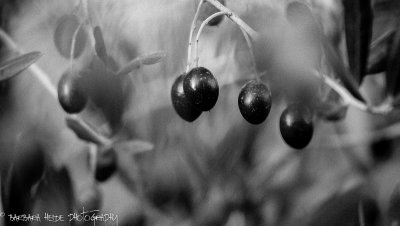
[349,99]
[93,151]
[192,29]
[203,24]
[235,18]
[73,43]
[251,51]
[34,68]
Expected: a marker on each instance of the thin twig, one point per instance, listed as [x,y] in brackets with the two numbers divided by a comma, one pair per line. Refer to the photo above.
[350,99]
[203,24]
[251,51]
[192,29]
[235,18]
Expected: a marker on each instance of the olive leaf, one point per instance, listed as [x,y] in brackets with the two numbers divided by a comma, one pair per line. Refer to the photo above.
[358,29]
[133,146]
[148,59]
[83,130]
[153,58]
[132,65]
[378,54]
[100,45]
[300,15]
[337,65]
[393,66]
[14,66]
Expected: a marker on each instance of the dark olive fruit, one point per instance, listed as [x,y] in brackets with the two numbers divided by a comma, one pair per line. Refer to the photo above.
[106,165]
[71,93]
[296,126]
[207,10]
[381,149]
[201,88]
[255,101]
[64,33]
[181,104]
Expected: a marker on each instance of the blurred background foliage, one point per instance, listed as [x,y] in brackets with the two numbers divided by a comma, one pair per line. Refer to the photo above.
[218,170]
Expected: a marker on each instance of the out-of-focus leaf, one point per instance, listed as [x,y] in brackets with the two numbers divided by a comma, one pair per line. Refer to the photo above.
[300,15]
[63,36]
[153,58]
[100,45]
[393,66]
[343,210]
[378,54]
[358,28]
[135,64]
[133,146]
[83,130]
[335,62]
[14,66]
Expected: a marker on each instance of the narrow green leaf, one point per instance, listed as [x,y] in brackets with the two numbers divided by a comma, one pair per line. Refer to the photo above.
[358,28]
[100,45]
[153,58]
[83,131]
[13,67]
[335,61]
[133,146]
[393,66]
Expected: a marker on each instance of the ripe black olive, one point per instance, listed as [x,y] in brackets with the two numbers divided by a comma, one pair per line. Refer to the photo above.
[255,101]
[201,88]
[296,126]
[71,93]
[106,165]
[181,104]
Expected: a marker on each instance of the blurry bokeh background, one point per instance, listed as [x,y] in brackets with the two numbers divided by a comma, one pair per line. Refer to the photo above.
[243,174]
